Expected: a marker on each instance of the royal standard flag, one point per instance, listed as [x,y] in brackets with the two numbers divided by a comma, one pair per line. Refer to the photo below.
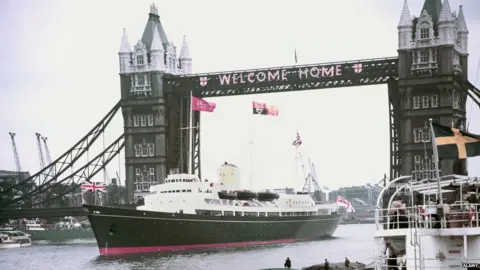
[453,143]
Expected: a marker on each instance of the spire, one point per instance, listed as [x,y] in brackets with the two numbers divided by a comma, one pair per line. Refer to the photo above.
[184,53]
[405,19]
[445,13]
[124,44]
[156,41]
[461,23]
[153,9]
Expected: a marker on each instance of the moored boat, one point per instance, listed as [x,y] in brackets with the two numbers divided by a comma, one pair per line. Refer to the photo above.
[187,213]
[12,239]
[6,242]
[423,234]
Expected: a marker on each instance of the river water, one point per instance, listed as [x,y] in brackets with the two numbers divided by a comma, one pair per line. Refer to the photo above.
[352,241]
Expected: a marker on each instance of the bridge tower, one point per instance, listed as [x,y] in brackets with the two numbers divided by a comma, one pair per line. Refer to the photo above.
[144,109]
[432,55]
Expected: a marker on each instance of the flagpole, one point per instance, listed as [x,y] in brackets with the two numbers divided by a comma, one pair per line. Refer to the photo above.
[435,162]
[296,163]
[190,136]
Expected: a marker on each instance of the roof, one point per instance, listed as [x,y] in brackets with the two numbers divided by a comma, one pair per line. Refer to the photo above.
[433,8]
[152,23]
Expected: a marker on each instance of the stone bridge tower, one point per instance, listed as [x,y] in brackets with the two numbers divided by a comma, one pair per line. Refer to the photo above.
[142,68]
[432,51]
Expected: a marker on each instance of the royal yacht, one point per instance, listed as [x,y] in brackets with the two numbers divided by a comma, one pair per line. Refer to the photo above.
[186,213]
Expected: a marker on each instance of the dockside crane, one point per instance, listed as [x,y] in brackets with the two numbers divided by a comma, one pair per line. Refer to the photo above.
[40,150]
[18,166]
[47,150]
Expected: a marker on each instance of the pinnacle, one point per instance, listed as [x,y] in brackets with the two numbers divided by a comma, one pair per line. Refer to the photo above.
[405,19]
[124,44]
[184,52]
[445,13]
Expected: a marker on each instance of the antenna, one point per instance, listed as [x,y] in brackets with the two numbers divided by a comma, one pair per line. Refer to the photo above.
[18,166]
[47,151]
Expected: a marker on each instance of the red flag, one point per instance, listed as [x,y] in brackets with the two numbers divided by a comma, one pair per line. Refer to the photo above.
[201,105]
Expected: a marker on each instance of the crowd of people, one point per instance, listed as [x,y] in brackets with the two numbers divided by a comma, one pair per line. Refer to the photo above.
[434,214]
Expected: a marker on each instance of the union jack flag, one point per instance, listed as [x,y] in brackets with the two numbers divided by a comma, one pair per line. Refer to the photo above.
[346,203]
[297,141]
[93,187]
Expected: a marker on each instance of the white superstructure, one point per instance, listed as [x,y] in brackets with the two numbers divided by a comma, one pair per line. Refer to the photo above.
[431,236]
[185,193]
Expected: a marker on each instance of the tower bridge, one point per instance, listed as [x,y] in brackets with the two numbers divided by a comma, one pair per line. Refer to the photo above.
[428,79]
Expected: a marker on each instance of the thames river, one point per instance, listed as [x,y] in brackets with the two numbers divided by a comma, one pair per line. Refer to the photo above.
[352,241]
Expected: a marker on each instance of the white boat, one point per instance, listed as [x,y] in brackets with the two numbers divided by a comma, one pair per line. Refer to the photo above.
[423,235]
[6,242]
[14,239]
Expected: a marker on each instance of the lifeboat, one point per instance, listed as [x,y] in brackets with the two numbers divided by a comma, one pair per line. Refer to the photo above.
[267,196]
[246,195]
[227,195]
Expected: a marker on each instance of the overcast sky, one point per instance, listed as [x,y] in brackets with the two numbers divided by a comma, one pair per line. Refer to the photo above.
[59,76]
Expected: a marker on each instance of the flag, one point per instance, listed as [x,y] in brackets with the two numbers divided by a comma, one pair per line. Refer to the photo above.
[201,105]
[452,143]
[264,109]
[296,58]
[298,141]
[93,187]
[345,203]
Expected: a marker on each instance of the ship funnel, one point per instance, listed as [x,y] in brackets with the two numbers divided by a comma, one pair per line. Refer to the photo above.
[229,176]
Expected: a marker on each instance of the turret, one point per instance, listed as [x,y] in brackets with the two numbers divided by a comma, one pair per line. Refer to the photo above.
[462,32]
[157,53]
[124,54]
[446,25]
[185,59]
[405,28]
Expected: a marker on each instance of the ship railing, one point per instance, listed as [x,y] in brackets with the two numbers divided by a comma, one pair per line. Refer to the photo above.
[429,217]
[382,262]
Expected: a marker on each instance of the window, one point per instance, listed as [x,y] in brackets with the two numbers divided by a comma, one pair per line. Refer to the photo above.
[434,101]
[417,171]
[424,33]
[417,159]
[140,60]
[424,56]
[434,55]
[140,80]
[136,120]
[150,120]
[425,101]
[143,121]
[150,149]
[144,150]
[416,102]
[417,135]
[147,77]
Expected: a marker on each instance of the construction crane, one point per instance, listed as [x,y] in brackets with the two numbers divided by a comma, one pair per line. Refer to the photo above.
[40,150]
[47,151]
[18,166]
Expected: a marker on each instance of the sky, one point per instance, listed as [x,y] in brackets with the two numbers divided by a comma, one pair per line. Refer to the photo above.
[59,77]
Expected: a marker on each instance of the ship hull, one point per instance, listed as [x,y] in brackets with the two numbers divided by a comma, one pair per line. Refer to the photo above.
[122,231]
